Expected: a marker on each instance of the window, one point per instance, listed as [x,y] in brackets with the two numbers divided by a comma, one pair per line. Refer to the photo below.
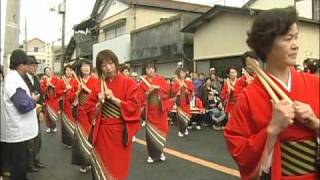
[36,49]
[110,34]
[115,31]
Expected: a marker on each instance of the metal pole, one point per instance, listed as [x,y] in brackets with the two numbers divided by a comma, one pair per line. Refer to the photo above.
[25,36]
[63,34]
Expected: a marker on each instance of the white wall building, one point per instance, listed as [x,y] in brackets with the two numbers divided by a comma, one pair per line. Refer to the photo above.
[42,51]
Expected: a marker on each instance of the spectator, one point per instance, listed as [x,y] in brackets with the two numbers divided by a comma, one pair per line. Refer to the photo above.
[18,118]
[34,144]
[215,111]
[197,84]
[215,83]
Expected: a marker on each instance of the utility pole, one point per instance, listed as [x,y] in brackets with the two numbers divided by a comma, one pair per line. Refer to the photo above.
[62,11]
[25,35]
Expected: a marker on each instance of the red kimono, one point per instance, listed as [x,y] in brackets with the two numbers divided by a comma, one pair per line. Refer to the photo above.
[246,132]
[86,108]
[68,98]
[51,98]
[112,143]
[183,107]
[81,147]
[241,84]
[229,98]
[156,115]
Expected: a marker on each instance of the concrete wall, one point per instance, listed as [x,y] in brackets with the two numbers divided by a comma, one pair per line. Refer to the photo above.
[162,40]
[119,45]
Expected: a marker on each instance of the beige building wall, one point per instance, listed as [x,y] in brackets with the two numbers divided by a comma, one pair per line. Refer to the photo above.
[268,4]
[44,55]
[309,36]
[303,7]
[226,36]
[223,36]
[136,18]
[105,22]
[147,16]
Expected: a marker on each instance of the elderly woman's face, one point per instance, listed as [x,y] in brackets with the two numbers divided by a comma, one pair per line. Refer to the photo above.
[285,48]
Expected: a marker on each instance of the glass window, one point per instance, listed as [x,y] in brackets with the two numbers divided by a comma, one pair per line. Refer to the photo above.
[36,49]
[110,34]
[121,29]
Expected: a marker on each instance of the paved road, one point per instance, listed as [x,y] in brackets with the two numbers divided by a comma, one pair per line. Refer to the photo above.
[205,144]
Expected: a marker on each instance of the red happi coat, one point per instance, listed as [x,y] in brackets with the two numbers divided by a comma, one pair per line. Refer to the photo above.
[246,132]
[229,98]
[69,96]
[108,132]
[184,100]
[156,115]
[87,110]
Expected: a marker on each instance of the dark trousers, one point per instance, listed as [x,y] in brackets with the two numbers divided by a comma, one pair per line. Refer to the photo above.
[196,118]
[34,146]
[14,157]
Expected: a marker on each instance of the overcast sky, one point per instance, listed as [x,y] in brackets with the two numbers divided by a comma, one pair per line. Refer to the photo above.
[46,24]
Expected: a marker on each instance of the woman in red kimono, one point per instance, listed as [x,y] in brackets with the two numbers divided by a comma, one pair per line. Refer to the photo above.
[183,89]
[51,95]
[69,87]
[247,72]
[87,88]
[154,94]
[228,92]
[118,116]
[271,140]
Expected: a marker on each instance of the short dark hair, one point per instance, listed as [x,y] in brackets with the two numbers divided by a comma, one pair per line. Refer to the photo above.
[179,70]
[148,65]
[267,26]
[44,70]
[231,67]
[124,67]
[106,55]
[247,54]
[65,68]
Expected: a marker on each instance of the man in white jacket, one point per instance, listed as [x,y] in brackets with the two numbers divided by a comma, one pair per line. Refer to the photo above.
[18,118]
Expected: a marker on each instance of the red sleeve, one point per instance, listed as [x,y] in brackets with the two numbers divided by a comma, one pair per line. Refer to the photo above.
[130,105]
[94,85]
[164,88]
[240,84]
[71,94]
[189,87]
[175,88]
[44,87]
[142,89]
[224,92]
[245,145]
[60,88]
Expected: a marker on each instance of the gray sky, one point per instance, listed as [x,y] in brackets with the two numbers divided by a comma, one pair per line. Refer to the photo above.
[46,25]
